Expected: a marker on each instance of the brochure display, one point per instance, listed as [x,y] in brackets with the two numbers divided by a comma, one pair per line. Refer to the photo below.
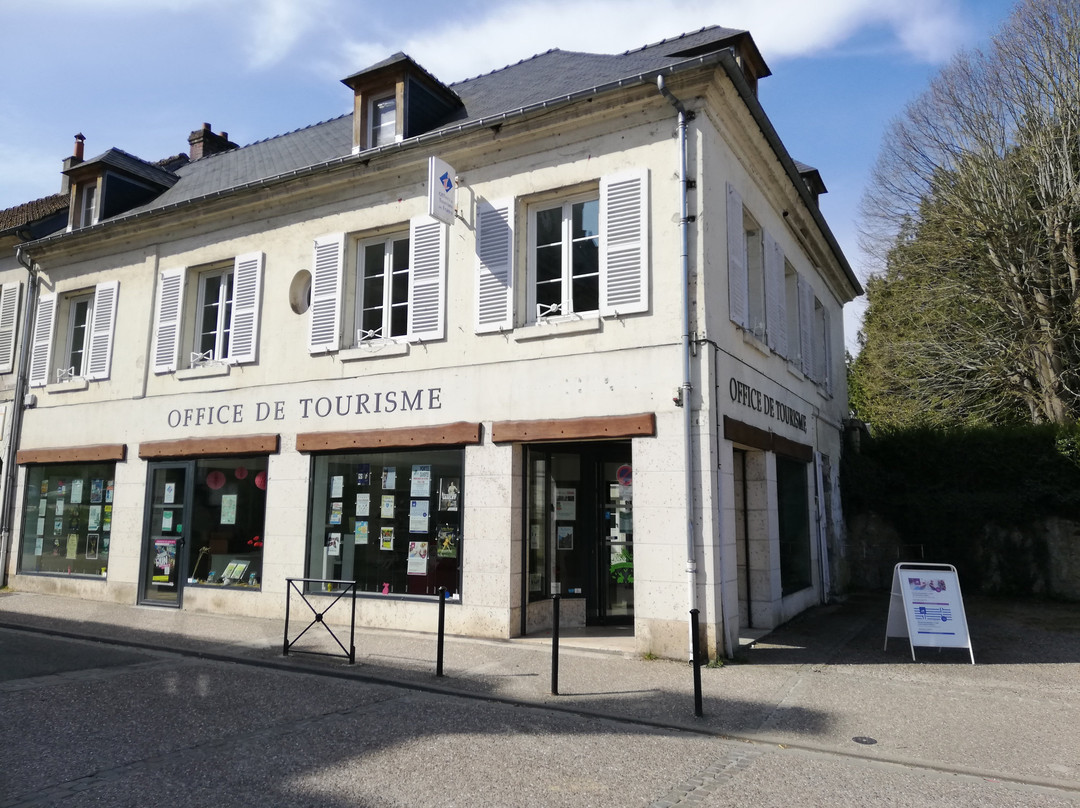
[926,606]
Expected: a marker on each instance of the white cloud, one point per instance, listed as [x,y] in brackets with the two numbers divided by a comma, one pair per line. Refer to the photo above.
[279,25]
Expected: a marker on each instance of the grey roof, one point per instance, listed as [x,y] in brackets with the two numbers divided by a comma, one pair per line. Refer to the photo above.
[129,164]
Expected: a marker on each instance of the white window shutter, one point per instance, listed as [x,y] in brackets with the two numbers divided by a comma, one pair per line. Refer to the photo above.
[624,243]
[247,287]
[427,279]
[170,299]
[827,360]
[738,282]
[327,265]
[806,327]
[775,304]
[41,343]
[495,266]
[9,320]
[102,327]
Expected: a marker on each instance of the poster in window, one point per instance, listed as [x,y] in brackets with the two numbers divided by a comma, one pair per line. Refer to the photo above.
[420,481]
[93,520]
[45,487]
[58,527]
[536,581]
[106,525]
[73,545]
[164,560]
[61,488]
[41,526]
[59,507]
[92,545]
[42,505]
[387,509]
[170,493]
[166,521]
[565,537]
[446,542]
[448,493]
[363,474]
[566,504]
[228,509]
[360,534]
[333,544]
[109,491]
[335,512]
[76,491]
[97,488]
[418,516]
[363,504]
[534,537]
[38,542]
[386,538]
[337,485]
[389,478]
[418,557]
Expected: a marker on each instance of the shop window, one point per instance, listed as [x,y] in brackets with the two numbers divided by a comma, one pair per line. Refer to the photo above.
[67,519]
[81,324]
[223,327]
[793,517]
[398,291]
[391,521]
[587,255]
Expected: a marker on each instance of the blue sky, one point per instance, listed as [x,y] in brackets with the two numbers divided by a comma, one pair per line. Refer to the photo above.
[140,75]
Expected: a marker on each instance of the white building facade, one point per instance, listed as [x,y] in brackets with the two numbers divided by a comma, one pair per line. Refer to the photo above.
[598,376]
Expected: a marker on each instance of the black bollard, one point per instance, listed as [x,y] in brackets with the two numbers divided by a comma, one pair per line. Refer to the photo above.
[442,626]
[555,645]
[696,661]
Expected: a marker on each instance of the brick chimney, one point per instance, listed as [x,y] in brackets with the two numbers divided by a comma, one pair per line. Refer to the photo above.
[204,142]
[70,162]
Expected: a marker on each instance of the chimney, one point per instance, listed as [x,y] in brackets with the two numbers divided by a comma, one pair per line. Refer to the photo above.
[204,142]
[71,162]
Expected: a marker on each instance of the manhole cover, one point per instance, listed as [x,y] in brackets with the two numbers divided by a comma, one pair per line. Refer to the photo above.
[864,740]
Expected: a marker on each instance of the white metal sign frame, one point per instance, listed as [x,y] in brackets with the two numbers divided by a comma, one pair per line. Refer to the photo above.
[926,606]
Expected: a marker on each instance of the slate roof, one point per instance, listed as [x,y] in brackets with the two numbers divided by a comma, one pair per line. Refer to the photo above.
[129,164]
[546,77]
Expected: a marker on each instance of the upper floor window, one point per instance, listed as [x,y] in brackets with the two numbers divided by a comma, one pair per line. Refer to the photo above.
[587,254]
[564,258]
[397,291]
[382,288]
[383,121]
[88,204]
[81,325]
[223,327]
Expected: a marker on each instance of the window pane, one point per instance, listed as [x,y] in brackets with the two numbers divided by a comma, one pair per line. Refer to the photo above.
[383,118]
[586,219]
[208,317]
[67,519]
[586,294]
[389,520]
[228,520]
[225,320]
[549,226]
[80,319]
[549,263]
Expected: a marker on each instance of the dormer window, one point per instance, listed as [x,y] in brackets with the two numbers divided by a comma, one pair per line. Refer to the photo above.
[88,205]
[383,117]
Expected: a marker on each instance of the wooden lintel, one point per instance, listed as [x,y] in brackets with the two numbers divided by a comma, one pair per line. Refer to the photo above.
[455,434]
[73,454]
[210,447]
[615,426]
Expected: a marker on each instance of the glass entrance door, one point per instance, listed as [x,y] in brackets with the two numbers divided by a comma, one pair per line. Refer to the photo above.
[164,545]
[616,567]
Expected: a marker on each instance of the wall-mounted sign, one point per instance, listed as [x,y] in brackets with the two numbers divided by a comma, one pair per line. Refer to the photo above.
[442,190]
[750,397]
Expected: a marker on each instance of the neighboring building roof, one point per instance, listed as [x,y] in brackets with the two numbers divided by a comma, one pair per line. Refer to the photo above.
[30,213]
[126,163]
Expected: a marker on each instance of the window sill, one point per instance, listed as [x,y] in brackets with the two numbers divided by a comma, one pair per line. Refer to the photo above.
[374,350]
[545,329]
[756,342]
[203,371]
[70,386]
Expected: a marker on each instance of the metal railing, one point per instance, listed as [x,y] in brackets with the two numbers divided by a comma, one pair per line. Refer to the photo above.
[346,588]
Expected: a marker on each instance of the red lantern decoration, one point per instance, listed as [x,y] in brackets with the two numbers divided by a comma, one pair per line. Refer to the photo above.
[260,480]
[241,473]
[215,480]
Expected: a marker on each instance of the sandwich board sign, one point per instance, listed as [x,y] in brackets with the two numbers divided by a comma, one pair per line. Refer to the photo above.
[926,606]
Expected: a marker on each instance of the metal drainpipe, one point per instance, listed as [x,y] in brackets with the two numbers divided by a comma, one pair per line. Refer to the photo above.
[7,508]
[686,388]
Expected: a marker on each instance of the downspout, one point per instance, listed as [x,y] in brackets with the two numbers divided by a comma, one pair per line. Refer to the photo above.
[684,399]
[7,507]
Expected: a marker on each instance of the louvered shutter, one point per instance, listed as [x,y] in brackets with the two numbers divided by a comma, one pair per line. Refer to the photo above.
[102,327]
[495,266]
[244,325]
[775,305]
[624,243]
[806,327]
[170,299]
[9,320]
[427,279]
[736,251]
[827,359]
[325,324]
[41,343]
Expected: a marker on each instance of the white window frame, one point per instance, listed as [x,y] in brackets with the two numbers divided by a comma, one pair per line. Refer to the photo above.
[377,131]
[391,243]
[97,340]
[566,309]
[223,317]
[88,204]
[77,369]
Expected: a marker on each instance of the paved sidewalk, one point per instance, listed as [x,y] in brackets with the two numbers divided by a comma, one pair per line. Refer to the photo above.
[817,683]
